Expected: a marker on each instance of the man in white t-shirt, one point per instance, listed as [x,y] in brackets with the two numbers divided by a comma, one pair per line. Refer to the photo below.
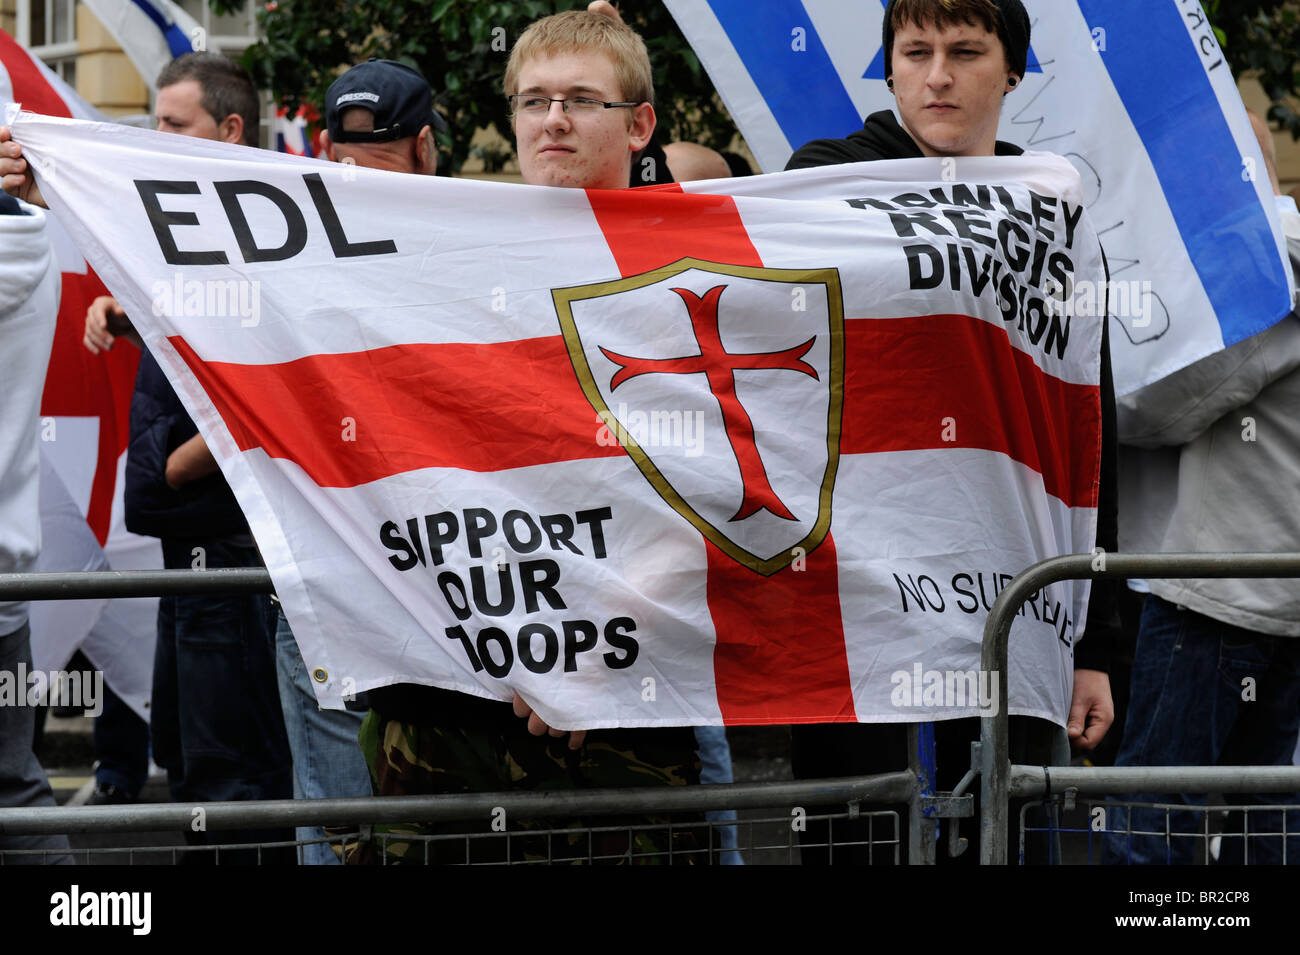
[29,303]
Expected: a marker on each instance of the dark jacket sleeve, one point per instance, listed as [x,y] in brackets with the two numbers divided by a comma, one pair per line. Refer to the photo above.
[159,425]
[1093,651]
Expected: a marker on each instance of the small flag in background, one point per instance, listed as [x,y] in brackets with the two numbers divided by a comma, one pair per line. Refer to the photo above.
[292,133]
[152,33]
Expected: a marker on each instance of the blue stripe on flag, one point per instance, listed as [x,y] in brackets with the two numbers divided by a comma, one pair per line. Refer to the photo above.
[177,41]
[1156,69]
[876,68]
[801,87]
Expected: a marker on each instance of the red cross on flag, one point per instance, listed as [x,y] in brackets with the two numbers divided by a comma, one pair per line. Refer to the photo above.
[694,437]
[747,452]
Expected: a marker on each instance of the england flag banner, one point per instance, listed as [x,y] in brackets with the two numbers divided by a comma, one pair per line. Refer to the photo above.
[645,457]
[1137,96]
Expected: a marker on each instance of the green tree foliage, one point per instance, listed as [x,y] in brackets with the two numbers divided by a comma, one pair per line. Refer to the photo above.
[1263,36]
[462,47]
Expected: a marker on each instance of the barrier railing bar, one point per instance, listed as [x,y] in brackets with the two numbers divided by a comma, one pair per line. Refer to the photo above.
[1104,780]
[883,788]
[900,787]
[994,811]
[923,826]
[134,583]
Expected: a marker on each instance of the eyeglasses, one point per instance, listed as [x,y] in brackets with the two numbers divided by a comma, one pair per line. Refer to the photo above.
[536,105]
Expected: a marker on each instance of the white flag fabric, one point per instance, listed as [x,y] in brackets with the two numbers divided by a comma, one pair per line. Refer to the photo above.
[152,33]
[67,544]
[83,428]
[1138,96]
[117,635]
[647,457]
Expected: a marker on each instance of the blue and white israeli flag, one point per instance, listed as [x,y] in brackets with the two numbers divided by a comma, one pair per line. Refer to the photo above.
[1138,96]
[152,33]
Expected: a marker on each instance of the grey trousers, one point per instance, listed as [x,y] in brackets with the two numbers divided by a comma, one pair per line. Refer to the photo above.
[22,781]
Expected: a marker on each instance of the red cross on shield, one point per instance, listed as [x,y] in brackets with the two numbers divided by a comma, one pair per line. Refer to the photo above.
[725,385]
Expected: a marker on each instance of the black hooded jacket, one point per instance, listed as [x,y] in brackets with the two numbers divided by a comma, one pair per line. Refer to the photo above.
[881,137]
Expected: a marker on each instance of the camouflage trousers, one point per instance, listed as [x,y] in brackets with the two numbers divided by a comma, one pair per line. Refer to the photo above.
[500,755]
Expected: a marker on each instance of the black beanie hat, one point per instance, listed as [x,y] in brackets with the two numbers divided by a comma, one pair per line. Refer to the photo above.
[1013,31]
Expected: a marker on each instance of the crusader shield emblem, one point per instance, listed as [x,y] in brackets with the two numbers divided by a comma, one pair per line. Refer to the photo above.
[725,385]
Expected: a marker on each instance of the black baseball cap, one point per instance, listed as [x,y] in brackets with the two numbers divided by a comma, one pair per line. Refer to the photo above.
[398,97]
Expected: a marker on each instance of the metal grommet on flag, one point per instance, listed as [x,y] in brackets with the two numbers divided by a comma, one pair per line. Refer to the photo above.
[320,675]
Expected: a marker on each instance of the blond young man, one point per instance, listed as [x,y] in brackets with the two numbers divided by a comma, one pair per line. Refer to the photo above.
[581,98]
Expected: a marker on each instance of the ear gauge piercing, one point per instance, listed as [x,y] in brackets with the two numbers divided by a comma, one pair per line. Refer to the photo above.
[890,82]
[1012,81]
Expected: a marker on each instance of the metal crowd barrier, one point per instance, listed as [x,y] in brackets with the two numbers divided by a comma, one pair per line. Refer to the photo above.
[913,788]
[362,815]
[997,773]
[1105,829]
[791,801]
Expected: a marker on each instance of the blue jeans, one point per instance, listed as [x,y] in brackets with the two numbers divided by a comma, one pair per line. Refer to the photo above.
[215,716]
[327,760]
[1205,693]
[715,767]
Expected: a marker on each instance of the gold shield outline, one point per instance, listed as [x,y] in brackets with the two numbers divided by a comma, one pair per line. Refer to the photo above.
[830,279]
